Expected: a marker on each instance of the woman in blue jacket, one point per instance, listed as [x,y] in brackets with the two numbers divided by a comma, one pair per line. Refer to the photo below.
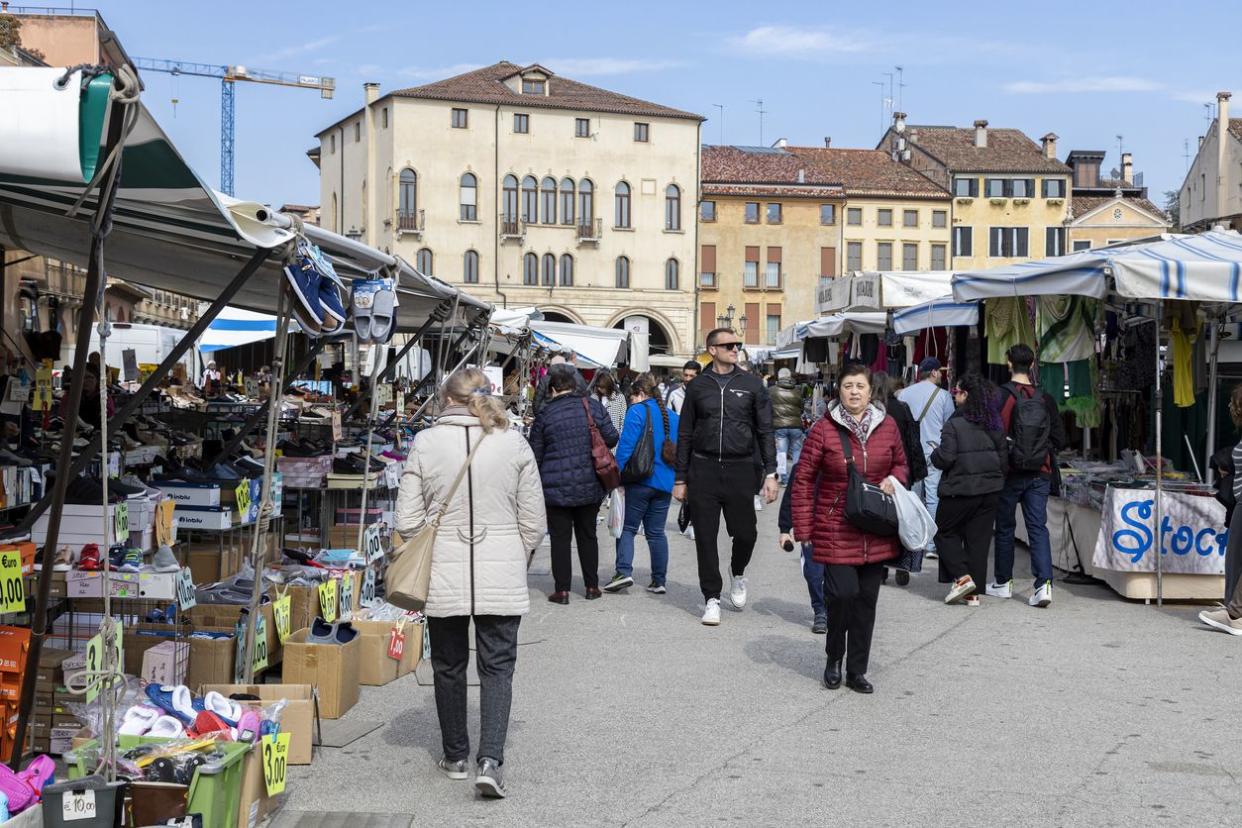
[647,501]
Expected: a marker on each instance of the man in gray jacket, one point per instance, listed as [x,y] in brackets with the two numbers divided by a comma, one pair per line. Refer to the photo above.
[931,405]
[787,397]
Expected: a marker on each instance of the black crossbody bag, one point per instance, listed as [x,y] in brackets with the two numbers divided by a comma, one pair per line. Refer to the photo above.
[867,507]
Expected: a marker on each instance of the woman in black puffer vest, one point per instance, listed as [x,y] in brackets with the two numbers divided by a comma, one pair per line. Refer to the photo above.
[972,456]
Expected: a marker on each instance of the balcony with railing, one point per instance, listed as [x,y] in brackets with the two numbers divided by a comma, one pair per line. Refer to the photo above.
[414,222]
[591,231]
[511,227]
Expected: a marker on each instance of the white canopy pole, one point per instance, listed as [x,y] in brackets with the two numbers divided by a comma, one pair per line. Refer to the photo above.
[1213,380]
[1159,513]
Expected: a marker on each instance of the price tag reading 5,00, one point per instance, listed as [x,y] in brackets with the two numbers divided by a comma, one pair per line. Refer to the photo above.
[12,587]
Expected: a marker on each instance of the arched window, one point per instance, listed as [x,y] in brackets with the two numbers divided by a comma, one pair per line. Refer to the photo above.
[672,207]
[567,201]
[530,269]
[469,197]
[470,268]
[509,201]
[549,270]
[623,272]
[547,190]
[622,217]
[586,203]
[407,200]
[530,200]
[567,270]
[423,262]
[671,273]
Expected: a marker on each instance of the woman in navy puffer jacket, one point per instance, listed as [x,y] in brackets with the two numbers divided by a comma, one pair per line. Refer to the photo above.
[561,440]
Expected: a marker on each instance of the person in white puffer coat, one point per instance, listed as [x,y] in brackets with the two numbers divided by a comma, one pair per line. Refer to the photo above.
[479,561]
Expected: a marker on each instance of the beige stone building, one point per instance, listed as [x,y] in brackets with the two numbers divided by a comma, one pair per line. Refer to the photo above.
[1106,209]
[1212,190]
[527,188]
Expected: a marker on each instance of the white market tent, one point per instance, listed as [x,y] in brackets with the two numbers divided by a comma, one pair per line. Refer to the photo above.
[938,313]
[594,346]
[832,326]
[882,290]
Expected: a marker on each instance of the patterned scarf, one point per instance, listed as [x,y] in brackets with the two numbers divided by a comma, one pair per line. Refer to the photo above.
[861,426]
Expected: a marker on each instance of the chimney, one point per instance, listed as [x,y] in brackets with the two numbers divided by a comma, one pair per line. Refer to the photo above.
[780,143]
[1049,143]
[1222,141]
[801,176]
[981,133]
[899,121]
[1127,167]
[827,141]
[371,91]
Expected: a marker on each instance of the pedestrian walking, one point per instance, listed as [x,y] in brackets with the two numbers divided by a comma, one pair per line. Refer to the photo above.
[1229,618]
[478,563]
[971,456]
[932,406]
[677,397]
[853,558]
[561,439]
[541,390]
[725,422]
[884,393]
[647,500]
[787,398]
[605,389]
[812,570]
[1035,434]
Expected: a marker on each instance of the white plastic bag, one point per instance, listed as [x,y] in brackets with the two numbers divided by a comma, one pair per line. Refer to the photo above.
[915,525]
[616,512]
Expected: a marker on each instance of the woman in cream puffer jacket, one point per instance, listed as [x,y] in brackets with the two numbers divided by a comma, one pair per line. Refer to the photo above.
[478,564]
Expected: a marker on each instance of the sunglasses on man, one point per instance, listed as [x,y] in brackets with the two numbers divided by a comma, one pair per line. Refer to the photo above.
[732,346]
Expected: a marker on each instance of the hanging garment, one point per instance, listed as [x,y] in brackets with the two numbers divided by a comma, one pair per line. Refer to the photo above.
[1066,326]
[931,342]
[1182,342]
[1006,323]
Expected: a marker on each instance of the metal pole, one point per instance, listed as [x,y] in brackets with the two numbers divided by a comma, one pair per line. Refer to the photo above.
[392,366]
[379,352]
[107,630]
[1159,512]
[1213,381]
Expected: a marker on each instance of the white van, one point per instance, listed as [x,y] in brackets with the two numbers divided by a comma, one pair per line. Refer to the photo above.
[150,343]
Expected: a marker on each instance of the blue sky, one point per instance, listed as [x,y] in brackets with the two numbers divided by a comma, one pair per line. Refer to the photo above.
[1088,72]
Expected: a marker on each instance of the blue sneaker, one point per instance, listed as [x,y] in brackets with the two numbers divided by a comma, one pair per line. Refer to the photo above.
[132,561]
[303,277]
[330,303]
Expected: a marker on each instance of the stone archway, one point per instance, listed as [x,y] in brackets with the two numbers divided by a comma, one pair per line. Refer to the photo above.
[660,338]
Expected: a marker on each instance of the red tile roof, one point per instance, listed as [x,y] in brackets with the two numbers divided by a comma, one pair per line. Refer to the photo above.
[760,171]
[486,86]
[865,172]
[1007,150]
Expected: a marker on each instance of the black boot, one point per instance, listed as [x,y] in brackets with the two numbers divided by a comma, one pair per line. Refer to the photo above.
[832,675]
[858,683]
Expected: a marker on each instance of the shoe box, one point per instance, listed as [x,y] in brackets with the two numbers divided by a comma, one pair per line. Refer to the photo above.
[215,518]
[154,586]
[332,669]
[211,659]
[377,667]
[298,717]
[27,552]
[195,494]
[226,616]
[166,663]
[82,523]
[14,647]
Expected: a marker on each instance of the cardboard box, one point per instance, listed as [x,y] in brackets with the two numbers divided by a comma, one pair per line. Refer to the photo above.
[297,719]
[225,616]
[194,494]
[61,740]
[375,666]
[211,659]
[332,669]
[303,605]
[203,517]
[137,638]
[254,804]
[166,663]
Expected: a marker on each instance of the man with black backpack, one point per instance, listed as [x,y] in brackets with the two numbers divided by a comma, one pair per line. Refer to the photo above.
[1034,434]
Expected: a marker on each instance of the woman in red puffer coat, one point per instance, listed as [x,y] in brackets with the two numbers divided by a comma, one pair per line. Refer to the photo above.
[853,560]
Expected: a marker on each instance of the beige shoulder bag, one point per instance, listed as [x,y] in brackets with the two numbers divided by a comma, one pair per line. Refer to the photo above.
[409,575]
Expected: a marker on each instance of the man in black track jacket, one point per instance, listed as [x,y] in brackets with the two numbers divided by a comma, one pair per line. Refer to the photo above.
[727,415]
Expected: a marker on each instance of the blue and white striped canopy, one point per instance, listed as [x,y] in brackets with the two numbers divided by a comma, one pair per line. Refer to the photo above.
[939,313]
[1206,267]
[234,327]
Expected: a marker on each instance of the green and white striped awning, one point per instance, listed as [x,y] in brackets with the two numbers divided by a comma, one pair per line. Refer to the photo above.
[172,232]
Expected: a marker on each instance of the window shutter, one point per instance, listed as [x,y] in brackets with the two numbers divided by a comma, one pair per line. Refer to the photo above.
[754,324]
[707,317]
[828,262]
[774,254]
[708,259]
[752,253]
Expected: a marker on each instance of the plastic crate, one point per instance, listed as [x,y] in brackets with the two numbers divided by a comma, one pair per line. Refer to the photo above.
[107,800]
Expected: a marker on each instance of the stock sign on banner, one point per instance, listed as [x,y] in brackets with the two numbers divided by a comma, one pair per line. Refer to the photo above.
[1192,535]
[259,660]
[120,526]
[275,762]
[327,600]
[12,585]
[371,543]
[347,596]
[187,596]
[368,588]
[280,614]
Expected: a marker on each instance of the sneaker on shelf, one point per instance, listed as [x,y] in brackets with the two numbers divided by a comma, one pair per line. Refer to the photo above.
[737,592]
[62,561]
[132,561]
[165,560]
[89,562]
[656,587]
[1004,590]
[971,600]
[711,612]
[618,583]
[1219,619]
[1042,596]
[962,586]
[758,503]
[86,491]
[116,555]
[454,769]
[488,780]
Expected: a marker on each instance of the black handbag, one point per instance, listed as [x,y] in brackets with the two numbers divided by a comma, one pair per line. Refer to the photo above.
[641,464]
[867,507]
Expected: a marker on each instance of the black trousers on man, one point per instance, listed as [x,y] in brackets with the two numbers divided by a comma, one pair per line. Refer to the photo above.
[565,524]
[851,593]
[714,487]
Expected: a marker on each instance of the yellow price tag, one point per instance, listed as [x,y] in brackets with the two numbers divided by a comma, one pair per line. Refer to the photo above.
[259,661]
[275,762]
[94,662]
[327,600]
[242,495]
[281,611]
[12,584]
[120,526]
[42,400]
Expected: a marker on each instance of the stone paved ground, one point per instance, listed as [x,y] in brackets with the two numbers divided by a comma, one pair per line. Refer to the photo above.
[1095,712]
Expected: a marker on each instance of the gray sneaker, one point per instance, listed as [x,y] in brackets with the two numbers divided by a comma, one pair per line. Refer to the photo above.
[165,560]
[488,780]
[1220,620]
[618,583]
[459,769]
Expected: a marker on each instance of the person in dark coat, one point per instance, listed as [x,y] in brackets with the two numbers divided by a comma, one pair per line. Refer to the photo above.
[812,571]
[971,455]
[884,393]
[854,559]
[561,440]
[541,390]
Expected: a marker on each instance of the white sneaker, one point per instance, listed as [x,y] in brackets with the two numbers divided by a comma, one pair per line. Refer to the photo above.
[711,612]
[758,503]
[1004,590]
[737,592]
[1041,597]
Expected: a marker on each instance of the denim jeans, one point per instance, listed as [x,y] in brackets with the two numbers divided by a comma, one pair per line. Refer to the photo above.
[789,440]
[648,507]
[929,489]
[814,574]
[495,640]
[1032,492]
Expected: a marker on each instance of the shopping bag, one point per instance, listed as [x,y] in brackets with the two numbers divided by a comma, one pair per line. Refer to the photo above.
[915,527]
[616,512]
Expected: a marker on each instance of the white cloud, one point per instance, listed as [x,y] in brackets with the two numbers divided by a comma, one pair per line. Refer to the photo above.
[434,73]
[1103,83]
[1195,96]
[585,67]
[369,69]
[299,49]
[788,41]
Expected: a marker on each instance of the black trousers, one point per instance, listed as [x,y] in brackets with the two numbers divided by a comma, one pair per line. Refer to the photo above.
[964,529]
[495,639]
[566,523]
[712,488]
[851,593]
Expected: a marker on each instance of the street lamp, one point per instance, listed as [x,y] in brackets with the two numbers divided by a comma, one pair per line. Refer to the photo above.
[741,331]
[725,320]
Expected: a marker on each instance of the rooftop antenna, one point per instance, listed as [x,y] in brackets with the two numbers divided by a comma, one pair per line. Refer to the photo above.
[1186,152]
[889,75]
[1121,146]
[721,108]
[900,86]
[759,108]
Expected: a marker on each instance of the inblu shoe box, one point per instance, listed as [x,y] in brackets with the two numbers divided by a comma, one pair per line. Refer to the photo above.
[191,494]
[203,517]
